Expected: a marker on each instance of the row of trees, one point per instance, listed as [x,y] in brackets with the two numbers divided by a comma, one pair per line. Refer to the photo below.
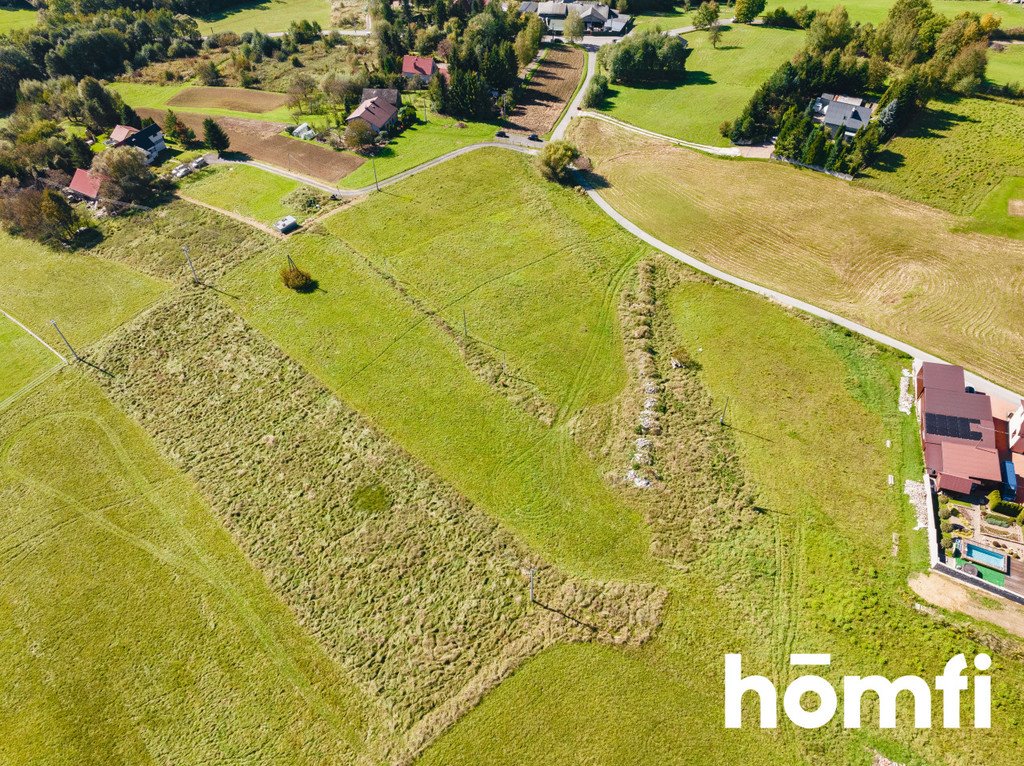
[646,55]
[803,140]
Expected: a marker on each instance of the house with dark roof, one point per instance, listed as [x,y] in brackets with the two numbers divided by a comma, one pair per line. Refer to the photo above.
[86,185]
[375,112]
[390,95]
[418,69]
[598,19]
[150,140]
[842,115]
[964,432]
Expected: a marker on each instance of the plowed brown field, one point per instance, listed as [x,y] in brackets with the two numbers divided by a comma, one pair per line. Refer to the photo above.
[550,88]
[263,141]
[235,99]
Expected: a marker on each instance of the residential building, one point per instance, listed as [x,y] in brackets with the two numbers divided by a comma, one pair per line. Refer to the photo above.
[598,19]
[149,139]
[86,185]
[966,434]
[418,69]
[390,95]
[375,112]
[843,115]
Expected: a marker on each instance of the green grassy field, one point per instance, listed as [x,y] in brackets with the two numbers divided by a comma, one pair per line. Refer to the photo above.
[247,191]
[24,357]
[875,11]
[136,630]
[17,18]
[145,95]
[87,296]
[909,275]
[1007,67]
[418,144]
[956,154]
[719,82]
[267,16]
[992,217]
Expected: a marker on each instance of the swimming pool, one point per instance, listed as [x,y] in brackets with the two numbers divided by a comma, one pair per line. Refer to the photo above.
[984,556]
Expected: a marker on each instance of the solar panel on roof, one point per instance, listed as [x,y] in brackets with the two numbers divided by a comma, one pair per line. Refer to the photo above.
[952,425]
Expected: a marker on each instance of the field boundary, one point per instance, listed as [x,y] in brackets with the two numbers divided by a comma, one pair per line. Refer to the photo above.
[48,346]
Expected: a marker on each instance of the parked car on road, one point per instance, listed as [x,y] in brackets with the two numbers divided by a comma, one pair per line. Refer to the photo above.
[533,137]
[501,134]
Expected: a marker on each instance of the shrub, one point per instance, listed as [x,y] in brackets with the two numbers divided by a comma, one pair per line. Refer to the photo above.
[946,526]
[945,512]
[554,160]
[779,17]
[296,279]
[597,92]
[645,55]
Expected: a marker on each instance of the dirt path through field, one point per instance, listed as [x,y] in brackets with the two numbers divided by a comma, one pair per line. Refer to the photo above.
[262,140]
[236,216]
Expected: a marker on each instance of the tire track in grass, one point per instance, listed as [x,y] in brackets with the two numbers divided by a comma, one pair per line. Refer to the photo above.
[199,568]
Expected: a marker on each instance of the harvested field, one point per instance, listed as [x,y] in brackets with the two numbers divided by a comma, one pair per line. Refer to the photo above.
[236,99]
[1016,207]
[902,271]
[263,141]
[418,594]
[548,91]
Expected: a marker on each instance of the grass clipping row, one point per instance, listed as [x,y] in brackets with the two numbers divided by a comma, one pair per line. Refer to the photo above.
[422,597]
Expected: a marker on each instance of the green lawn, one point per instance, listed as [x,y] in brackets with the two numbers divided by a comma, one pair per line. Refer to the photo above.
[267,16]
[1007,67]
[956,154]
[418,144]
[17,18]
[992,216]
[718,84]
[24,357]
[134,630]
[510,253]
[87,296]
[664,20]
[875,11]
[245,190]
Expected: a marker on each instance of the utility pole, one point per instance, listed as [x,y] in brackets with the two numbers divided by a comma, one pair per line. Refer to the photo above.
[291,263]
[373,161]
[70,347]
[721,420]
[188,258]
[532,573]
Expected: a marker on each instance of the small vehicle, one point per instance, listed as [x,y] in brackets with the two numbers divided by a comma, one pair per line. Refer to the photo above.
[181,171]
[199,162]
[501,134]
[533,137]
[287,224]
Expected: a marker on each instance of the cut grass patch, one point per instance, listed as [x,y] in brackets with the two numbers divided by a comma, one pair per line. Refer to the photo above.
[997,212]
[247,191]
[1006,67]
[137,631]
[88,296]
[954,155]
[12,19]
[904,272]
[875,11]
[417,144]
[24,358]
[718,84]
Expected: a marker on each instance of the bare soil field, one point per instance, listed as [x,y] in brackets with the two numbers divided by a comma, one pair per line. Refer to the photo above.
[550,88]
[1017,207]
[236,99]
[263,141]
[955,597]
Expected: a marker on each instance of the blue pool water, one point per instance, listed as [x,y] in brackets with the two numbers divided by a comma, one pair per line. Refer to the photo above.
[984,556]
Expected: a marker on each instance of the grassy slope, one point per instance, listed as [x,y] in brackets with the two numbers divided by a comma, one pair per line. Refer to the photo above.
[992,215]
[875,11]
[841,589]
[245,190]
[24,358]
[407,376]
[267,16]
[87,296]
[418,144]
[718,84]
[20,18]
[955,155]
[1007,67]
[138,632]
[889,264]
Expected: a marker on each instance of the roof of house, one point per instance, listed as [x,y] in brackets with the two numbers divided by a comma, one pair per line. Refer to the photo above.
[376,112]
[848,111]
[146,138]
[958,430]
[122,133]
[528,6]
[86,183]
[552,9]
[423,66]
[390,95]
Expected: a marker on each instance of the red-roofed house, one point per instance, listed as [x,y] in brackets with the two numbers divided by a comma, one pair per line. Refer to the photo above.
[86,185]
[120,134]
[375,112]
[418,69]
[958,431]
